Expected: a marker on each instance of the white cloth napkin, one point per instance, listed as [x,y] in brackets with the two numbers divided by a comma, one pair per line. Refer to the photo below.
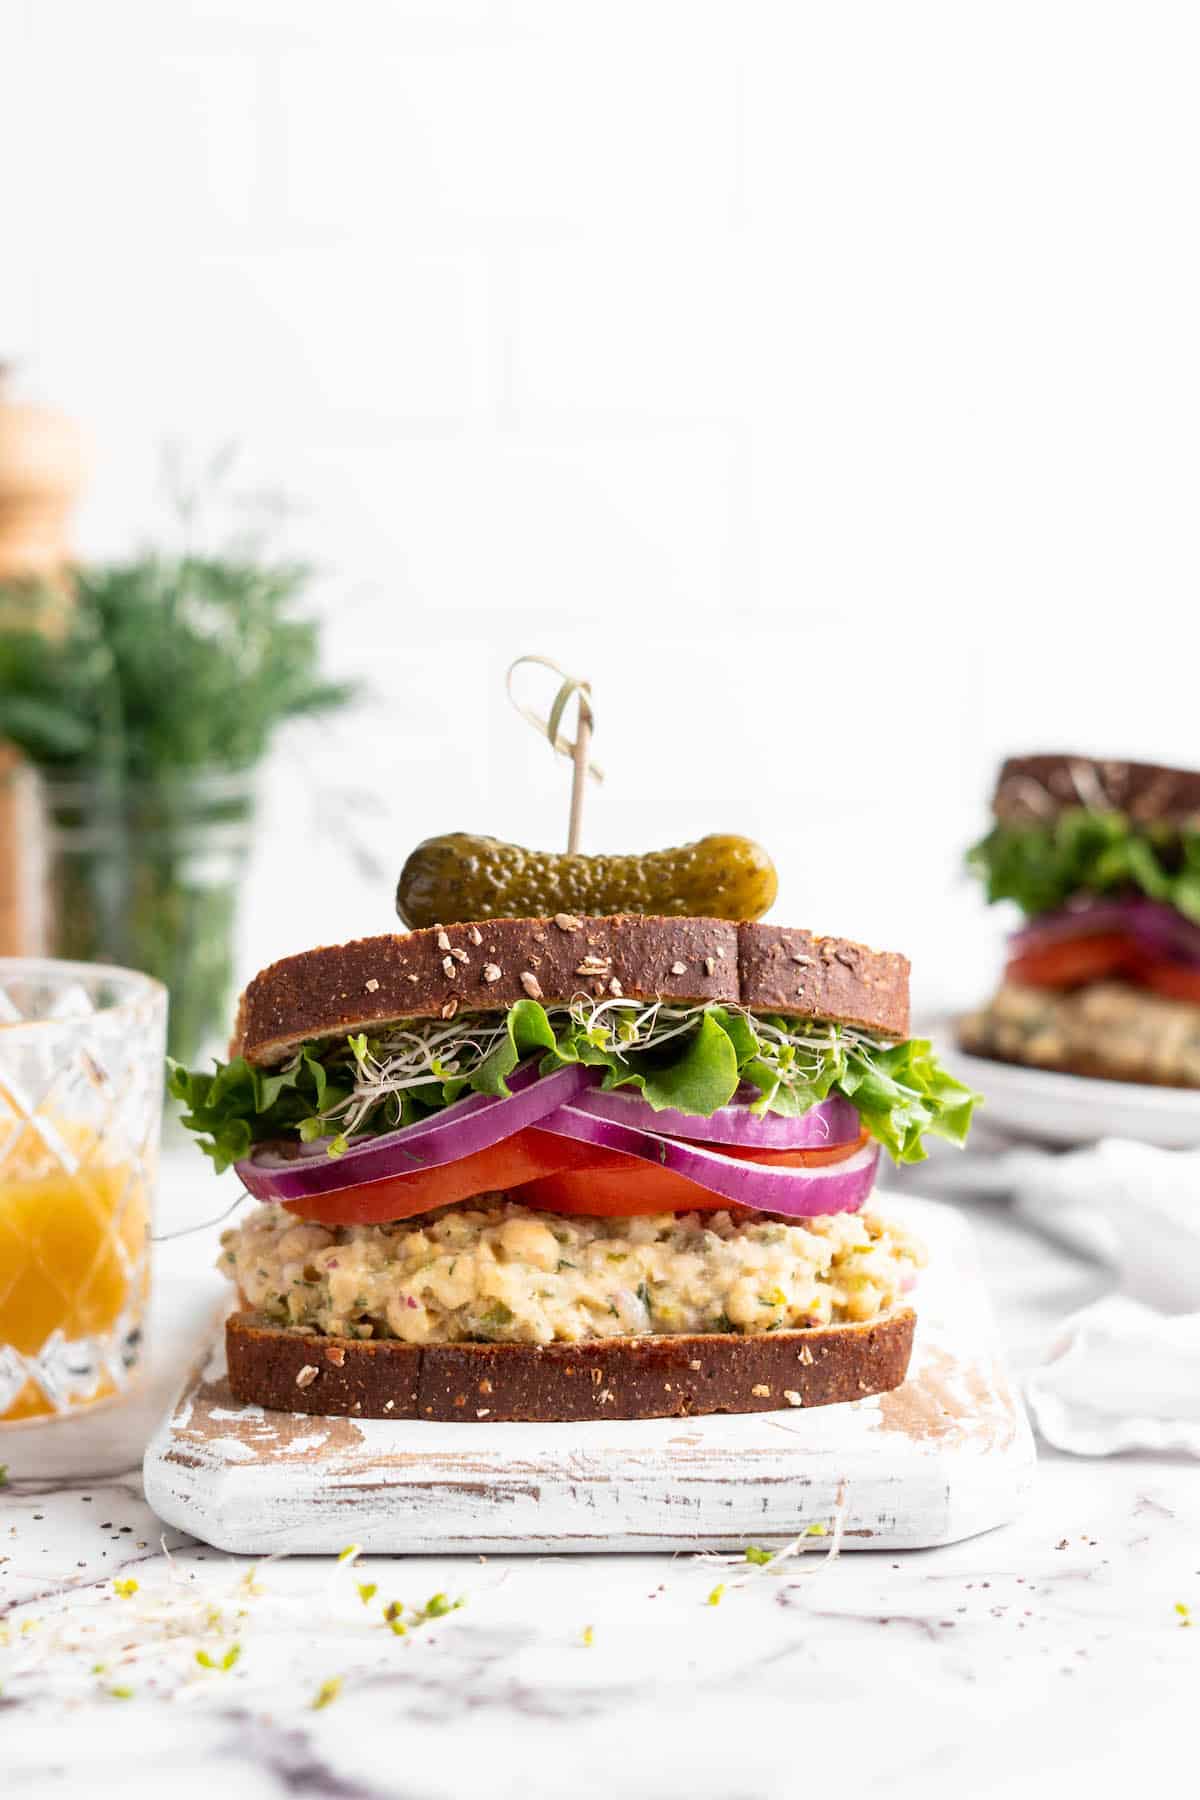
[1125,1372]
[1123,1377]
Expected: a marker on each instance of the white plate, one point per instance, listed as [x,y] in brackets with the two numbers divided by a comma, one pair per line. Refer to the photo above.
[1048,1108]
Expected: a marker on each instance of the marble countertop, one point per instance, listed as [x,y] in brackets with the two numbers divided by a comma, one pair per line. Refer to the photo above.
[1047,1656]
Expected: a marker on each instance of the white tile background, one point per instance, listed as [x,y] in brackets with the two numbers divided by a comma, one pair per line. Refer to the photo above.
[822,379]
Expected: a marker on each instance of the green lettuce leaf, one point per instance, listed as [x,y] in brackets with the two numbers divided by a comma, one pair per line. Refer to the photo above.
[1042,866]
[238,1106]
[901,1092]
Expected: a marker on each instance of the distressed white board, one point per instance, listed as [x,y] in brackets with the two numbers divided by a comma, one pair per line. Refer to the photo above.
[947,1455]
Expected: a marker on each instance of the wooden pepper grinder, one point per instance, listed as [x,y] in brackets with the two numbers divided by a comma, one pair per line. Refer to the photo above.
[42,467]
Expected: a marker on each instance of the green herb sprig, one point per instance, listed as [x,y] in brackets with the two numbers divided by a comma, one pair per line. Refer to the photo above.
[169,663]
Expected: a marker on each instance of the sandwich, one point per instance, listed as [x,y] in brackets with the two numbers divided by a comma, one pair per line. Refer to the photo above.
[1103,977]
[571,1168]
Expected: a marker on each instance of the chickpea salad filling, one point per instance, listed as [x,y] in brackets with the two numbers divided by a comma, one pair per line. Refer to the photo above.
[493,1271]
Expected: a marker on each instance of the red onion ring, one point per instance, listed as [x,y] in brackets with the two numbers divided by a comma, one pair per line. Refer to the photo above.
[475,1122]
[1154,924]
[822,1127]
[794,1193]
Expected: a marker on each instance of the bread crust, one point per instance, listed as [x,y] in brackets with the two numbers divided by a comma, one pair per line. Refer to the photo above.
[435,973]
[1033,789]
[600,1378]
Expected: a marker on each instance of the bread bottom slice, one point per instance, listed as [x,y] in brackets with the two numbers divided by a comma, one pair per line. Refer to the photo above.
[598,1378]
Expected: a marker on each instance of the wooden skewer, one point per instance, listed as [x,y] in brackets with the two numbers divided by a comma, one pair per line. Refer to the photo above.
[583,737]
[580,692]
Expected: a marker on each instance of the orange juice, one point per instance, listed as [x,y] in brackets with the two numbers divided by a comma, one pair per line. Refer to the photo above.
[73,1234]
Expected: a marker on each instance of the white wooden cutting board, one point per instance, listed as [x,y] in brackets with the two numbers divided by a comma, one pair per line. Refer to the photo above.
[947,1455]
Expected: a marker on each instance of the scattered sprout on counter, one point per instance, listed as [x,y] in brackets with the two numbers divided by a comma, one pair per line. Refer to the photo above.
[329,1690]
[438,1606]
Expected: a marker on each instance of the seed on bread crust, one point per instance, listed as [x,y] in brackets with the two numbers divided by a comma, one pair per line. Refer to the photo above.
[323,992]
[531,984]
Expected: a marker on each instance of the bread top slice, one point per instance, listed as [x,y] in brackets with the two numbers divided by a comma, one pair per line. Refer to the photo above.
[435,973]
[1031,790]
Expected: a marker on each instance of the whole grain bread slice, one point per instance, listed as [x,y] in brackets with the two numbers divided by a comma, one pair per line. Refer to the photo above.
[1032,790]
[599,1378]
[436,973]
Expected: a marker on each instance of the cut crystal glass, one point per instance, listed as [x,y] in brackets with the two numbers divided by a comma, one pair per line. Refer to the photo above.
[81,1083]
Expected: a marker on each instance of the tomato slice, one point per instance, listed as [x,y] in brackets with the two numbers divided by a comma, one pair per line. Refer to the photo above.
[549,1171]
[642,1187]
[1176,980]
[1074,962]
[512,1163]
[621,1193]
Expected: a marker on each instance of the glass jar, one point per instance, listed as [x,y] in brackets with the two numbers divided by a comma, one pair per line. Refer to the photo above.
[148,874]
[81,1052]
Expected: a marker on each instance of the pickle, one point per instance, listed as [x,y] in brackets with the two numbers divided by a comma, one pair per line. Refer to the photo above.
[460,877]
